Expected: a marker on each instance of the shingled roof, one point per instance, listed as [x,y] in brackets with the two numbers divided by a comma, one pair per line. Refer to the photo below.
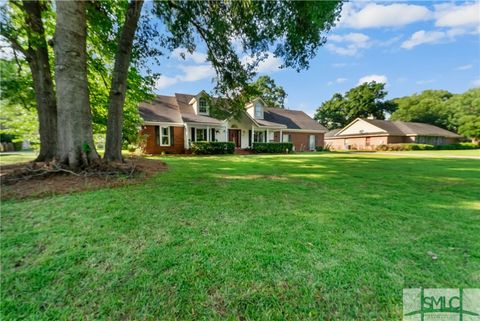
[401,128]
[177,109]
[293,119]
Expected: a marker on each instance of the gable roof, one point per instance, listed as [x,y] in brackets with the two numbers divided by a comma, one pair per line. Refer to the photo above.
[177,109]
[399,128]
[293,119]
[332,133]
[161,109]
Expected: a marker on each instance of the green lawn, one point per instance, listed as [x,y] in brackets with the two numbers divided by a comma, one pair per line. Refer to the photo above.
[16,157]
[324,236]
[441,153]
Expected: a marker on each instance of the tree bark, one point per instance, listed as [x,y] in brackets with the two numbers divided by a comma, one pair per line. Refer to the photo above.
[113,146]
[75,134]
[38,60]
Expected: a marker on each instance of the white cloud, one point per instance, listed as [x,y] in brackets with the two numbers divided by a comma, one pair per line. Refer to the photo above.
[461,16]
[189,74]
[476,83]
[464,67]
[204,70]
[431,37]
[371,15]
[339,64]
[349,44]
[423,37]
[377,78]
[194,73]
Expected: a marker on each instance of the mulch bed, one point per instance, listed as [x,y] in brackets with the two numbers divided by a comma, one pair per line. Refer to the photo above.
[24,180]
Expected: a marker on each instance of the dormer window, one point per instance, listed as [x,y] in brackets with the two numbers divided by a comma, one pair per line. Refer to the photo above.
[202,106]
[258,111]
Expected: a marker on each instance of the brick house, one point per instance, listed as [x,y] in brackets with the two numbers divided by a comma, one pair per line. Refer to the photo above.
[367,134]
[172,123]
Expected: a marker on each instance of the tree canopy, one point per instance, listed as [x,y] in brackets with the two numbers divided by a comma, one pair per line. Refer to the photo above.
[272,94]
[365,100]
[456,112]
[427,107]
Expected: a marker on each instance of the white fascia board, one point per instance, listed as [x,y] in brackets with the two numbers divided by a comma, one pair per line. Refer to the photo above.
[155,123]
[321,131]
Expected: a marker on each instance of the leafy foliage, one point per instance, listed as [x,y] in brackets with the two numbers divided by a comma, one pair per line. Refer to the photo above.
[272,94]
[293,30]
[456,112]
[272,147]
[103,17]
[17,103]
[427,107]
[410,146]
[367,99]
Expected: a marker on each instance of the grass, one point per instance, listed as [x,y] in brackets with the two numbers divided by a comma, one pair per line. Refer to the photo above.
[441,153]
[325,236]
[16,157]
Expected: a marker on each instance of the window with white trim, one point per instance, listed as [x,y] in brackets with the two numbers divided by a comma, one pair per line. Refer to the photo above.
[201,135]
[258,110]
[287,138]
[202,106]
[164,136]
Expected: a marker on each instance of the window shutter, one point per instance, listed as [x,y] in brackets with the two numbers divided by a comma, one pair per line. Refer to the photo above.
[250,137]
[157,135]
[193,134]
[171,135]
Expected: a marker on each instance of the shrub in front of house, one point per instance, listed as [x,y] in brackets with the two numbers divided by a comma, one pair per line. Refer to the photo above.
[212,148]
[465,145]
[406,147]
[272,147]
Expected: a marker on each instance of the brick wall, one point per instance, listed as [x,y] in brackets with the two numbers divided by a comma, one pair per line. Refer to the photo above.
[151,146]
[360,143]
[301,140]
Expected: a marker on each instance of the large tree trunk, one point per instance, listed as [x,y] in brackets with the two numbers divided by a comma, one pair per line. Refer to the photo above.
[75,135]
[113,147]
[37,57]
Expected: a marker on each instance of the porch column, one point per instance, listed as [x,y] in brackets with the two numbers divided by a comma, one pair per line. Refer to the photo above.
[186,135]
[253,136]
[208,134]
[226,133]
[280,139]
[266,137]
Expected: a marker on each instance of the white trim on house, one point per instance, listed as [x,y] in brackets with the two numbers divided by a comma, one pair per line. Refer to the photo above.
[304,131]
[168,135]
[154,123]
[360,120]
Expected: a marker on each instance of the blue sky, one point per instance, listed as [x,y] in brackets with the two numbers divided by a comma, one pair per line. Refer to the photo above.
[412,46]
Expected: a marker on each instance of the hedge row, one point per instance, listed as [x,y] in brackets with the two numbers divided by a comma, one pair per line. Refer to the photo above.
[272,147]
[404,147]
[211,148]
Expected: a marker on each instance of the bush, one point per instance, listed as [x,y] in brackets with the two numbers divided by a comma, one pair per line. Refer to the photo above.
[212,148]
[321,148]
[458,146]
[272,147]
[404,147]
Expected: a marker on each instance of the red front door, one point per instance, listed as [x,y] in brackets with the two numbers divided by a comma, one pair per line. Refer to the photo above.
[234,135]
